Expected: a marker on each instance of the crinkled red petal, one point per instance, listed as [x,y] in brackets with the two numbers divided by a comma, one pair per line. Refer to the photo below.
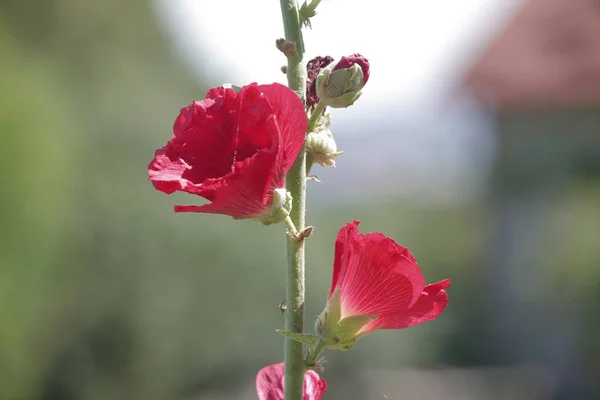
[291,117]
[202,149]
[247,191]
[229,149]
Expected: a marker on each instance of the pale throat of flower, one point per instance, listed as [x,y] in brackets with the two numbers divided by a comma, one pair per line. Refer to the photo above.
[336,330]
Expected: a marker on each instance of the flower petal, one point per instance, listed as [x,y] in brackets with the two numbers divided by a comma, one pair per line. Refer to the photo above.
[342,247]
[375,274]
[250,132]
[202,147]
[291,117]
[314,386]
[247,191]
[270,384]
[430,305]
[356,58]
[220,91]
[165,172]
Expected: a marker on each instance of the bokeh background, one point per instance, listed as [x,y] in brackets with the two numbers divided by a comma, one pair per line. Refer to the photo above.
[476,144]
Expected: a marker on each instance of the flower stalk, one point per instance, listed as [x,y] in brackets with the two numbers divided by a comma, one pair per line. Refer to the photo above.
[312,124]
[311,359]
[296,72]
[314,117]
[296,185]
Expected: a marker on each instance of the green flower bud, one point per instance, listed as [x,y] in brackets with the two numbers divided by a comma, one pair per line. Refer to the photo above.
[339,84]
[320,144]
[280,208]
[313,69]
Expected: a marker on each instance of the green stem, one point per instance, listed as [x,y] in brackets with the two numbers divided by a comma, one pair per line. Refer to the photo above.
[314,117]
[309,163]
[296,71]
[296,185]
[291,228]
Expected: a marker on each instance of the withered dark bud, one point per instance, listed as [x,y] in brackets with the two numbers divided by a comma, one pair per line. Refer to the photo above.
[313,67]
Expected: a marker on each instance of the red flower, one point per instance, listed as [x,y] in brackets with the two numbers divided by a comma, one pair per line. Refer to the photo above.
[269,384]
[233,149]
[376,284]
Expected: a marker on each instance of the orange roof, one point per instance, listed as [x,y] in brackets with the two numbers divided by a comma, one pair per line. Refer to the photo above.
[547,56]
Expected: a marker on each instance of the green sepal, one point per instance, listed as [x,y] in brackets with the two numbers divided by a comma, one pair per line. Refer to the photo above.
[337,333]
[344,80]
[305,338]
[280,208]
[340,88]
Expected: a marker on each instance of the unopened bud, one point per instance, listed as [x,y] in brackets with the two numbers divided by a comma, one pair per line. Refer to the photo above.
[320,144]
[313,68]
[339,84]
[280,208]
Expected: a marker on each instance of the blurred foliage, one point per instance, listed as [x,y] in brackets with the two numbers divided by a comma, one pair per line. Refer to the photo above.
[105,293]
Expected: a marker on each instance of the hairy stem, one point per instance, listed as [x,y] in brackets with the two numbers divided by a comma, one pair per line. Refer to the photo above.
[296,185]
[314,117]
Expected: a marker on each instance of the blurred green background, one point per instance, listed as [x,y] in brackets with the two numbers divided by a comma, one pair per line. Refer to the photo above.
[105,293]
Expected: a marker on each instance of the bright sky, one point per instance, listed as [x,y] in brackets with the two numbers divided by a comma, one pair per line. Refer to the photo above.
[416,48]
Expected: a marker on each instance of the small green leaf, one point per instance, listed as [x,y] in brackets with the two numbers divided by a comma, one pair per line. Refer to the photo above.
[305,338]
[307,11]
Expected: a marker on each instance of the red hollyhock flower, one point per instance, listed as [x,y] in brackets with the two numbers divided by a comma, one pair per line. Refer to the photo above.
[376,284]
[270,383]
[233,149]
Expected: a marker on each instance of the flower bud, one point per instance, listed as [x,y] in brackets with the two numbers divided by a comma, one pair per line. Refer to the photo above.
[339,84]
[313,68]
[280,208]
[320,144]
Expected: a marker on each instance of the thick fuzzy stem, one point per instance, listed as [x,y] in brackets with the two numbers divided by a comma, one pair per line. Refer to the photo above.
[296,185]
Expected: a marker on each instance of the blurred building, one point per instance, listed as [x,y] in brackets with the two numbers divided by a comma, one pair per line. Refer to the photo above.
[548,57]
[540,79]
